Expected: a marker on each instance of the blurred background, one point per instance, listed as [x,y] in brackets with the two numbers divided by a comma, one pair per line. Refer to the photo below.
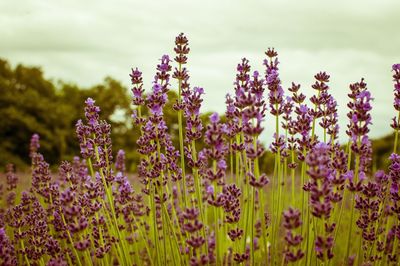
[55,54]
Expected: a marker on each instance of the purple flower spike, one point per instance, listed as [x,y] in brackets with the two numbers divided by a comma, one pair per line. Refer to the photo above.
[138,98]
[90,102]
[210,189]
[292,221]
[396,78]
[181,49]
[120,161]
[321,194]
[7,250]
[360,120]
[349,175]
[192,103]
[211,208]
[394,189]
[222,164]
[214,118]
[273,81]
[92,112]
[34,145]
[199,90]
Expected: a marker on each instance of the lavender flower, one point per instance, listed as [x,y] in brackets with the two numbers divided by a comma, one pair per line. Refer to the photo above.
[338,176]
[41,178]
[181,74]
[232,208]
[91,212]
[320,188]
[291,222]
[7,250]
[216,150]
[137,89]
[192,227]
[396,120]
[154,129]
[120,161]
[360,119]
[396,79]
[12,178]
[274,83]
[294,126]
[34,145]
[95,140]
[303,127]
[253,115]
[394,175]
[181,48]
[192,101]
[320,85]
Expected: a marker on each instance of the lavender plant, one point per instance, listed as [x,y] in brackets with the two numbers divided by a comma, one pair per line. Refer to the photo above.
[206,201]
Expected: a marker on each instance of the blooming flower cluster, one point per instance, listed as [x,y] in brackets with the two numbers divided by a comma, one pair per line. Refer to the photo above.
[201,197]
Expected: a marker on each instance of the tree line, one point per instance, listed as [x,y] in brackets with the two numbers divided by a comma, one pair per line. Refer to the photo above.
[30,103]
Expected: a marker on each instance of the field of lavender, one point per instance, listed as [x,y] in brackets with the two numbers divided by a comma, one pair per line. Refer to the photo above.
[192,205]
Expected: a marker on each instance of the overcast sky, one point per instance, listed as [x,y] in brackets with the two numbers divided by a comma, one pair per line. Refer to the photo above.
[84,41]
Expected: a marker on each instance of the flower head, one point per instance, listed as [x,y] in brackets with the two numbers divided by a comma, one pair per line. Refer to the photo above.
[120,161]
[34,145]
[214,118]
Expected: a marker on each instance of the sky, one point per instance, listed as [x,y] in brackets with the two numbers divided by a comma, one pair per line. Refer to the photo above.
[83,41]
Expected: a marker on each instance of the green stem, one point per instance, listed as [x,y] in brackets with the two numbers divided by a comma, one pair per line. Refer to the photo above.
[352,205]
[199,194]
[349,154]
[292,173]
[276,223]
[216,226]
[256,176]
[181,146]
[351,229]
[145,240]
[155,229]
[231,160]
[340,216]
[252,226]
[161,196]
[396,135]
[171,227]
[308,238]
[381,216]
[302,178]
[70,239]
[263,230]
[395,250]
[23,248]
[107,188]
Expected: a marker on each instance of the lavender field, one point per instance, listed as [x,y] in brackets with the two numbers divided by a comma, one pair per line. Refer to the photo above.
[205,200]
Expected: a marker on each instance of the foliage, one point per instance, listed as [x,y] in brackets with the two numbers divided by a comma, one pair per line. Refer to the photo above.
[30,104]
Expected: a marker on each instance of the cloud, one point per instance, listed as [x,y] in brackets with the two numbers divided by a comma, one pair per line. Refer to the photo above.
[83,41]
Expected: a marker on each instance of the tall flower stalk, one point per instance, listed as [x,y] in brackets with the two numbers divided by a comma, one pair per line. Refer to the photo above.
[291,222]
[192,102]
[159,164]
[360,119]
[275,97]
[396,120]
[181,49]
[320,188]
[215,153]
[206,201]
